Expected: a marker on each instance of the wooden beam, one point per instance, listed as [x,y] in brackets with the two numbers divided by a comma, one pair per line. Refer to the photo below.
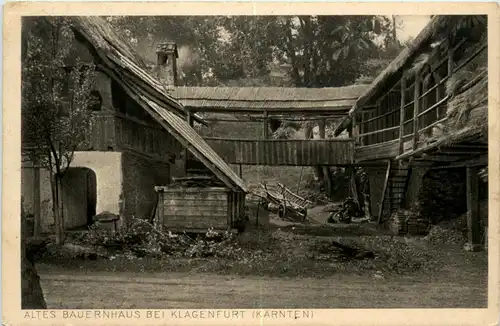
[478,161]
[384,190]
[437,158]
[186,151]
[452,151]
[402,115]
[473,219]
[355,129]
[468,147]
[189,118]
[265,126]
[326,170]
[416,109]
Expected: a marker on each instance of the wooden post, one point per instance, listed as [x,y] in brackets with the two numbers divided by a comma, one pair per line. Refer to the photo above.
[355,131]
[402,115]
[186,151]
[351,174]
[378,123]
[424,104]
[326,170]
[240,170]
[473,227]
[36,199]
[416,110]
[265,126]
[437,80]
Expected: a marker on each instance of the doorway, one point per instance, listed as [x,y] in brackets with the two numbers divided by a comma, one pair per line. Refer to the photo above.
[79,191]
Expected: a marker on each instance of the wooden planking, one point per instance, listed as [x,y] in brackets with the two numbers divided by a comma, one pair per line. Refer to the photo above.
[279,152]
[102,133]
[195,202]
[188,211]
[199,197]
[195,208]
[114,131]
[198,222]
[389,149]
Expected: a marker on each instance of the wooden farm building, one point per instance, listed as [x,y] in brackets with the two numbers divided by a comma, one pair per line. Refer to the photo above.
[140,131]
[427,112]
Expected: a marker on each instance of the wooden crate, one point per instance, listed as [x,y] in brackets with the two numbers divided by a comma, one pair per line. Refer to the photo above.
[196,209]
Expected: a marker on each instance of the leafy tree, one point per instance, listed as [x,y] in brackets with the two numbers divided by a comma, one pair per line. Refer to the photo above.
[319,51]
[56,102]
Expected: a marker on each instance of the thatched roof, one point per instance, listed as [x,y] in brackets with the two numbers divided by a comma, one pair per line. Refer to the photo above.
[402,62]
[283,99]
[124,66]
[397,65]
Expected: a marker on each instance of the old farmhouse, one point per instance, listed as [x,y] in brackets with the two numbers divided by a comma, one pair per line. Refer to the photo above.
[137,141]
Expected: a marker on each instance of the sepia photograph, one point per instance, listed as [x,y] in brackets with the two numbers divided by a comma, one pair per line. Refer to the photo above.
[253,162]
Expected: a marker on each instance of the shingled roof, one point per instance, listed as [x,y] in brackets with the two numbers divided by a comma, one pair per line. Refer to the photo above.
[115,58]
[283,99]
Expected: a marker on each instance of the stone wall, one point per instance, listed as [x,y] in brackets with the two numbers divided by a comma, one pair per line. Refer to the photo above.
[443,194]
[140,175]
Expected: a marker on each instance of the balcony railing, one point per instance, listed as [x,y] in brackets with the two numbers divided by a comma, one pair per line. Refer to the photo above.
[407,113]
[111,131]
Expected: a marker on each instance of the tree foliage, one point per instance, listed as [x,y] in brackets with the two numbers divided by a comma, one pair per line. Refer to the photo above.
[305,51]
[56,101]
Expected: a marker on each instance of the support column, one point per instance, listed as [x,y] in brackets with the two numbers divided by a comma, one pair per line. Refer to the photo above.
[265,126]
[402,115]
[326,170]
[416,111]
[473,220]
[189,119]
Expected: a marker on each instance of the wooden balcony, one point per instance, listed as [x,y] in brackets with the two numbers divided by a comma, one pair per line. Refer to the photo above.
[411,119]
[289,152]
[115,132]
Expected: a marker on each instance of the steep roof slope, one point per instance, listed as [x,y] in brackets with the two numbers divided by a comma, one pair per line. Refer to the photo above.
[123,65]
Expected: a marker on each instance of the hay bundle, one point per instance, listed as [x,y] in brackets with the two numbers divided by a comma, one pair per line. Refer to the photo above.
[475,98]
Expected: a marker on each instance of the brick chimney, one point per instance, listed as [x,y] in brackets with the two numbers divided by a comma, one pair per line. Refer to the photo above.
[166,60]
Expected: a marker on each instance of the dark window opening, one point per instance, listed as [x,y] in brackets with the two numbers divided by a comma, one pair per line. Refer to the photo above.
[95,103]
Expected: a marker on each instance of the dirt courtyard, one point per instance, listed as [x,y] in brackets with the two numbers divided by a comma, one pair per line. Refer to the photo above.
[287,277]
[125,290]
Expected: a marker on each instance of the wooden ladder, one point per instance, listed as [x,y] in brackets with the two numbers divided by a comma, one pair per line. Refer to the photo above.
[395,186]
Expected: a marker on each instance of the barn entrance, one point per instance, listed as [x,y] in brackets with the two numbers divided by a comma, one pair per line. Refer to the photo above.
[79,190]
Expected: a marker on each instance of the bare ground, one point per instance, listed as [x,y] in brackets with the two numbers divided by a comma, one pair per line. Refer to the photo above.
[452,278]
[105,290]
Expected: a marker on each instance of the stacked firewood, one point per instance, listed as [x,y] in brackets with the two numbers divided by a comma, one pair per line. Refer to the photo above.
[408,222]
